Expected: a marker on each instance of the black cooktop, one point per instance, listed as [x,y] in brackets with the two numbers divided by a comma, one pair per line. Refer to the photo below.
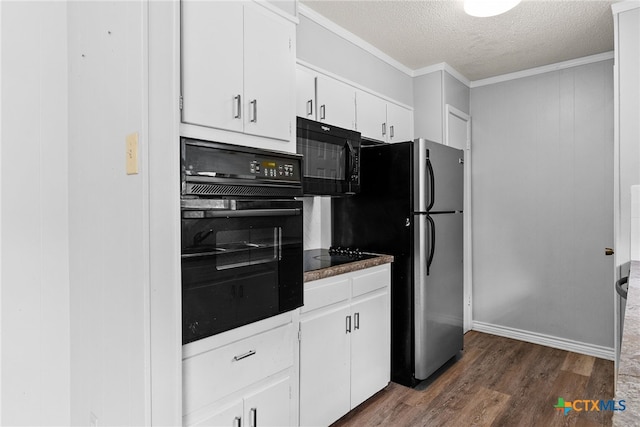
[316,259]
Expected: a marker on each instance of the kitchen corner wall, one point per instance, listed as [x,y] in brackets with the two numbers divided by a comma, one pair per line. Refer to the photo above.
[324,48]
[542,176]
[317,222]
[34,215]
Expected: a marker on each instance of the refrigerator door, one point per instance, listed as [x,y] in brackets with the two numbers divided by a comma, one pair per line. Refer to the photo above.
[438,181]
[438,289]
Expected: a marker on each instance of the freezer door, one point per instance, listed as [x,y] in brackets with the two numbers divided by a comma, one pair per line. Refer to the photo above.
[438,290]
[439,177]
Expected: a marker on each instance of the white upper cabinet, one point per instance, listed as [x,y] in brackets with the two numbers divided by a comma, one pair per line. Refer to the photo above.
[399,123]
[371,115]
[212,64]
[238,62]
[305,93]
[336,102]
[382,120]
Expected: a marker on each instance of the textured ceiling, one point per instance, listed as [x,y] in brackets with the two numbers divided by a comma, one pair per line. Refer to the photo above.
[422,33]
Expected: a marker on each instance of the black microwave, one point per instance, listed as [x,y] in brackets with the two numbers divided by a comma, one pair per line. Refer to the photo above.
[331,163]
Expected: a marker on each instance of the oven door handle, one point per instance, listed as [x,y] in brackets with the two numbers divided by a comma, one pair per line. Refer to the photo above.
[251,213]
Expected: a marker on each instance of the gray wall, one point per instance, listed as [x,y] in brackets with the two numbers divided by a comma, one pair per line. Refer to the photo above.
[543,176]
[322,48]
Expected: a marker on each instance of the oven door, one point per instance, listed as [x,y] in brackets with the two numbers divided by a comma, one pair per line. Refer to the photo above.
[239,265]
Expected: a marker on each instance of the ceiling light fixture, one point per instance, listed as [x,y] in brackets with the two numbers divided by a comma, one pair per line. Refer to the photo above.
[485,8]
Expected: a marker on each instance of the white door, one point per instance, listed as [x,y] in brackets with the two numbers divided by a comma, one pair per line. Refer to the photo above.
[458,135]
[370,347]
[336,102]
[324,367]
[269,406]
[269,66]
[212,63]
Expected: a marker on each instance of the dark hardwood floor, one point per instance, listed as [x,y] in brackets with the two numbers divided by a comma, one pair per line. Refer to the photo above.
[496,382]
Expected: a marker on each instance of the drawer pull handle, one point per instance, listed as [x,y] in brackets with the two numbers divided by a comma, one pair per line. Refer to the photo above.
[356,321]
[244,356]
[253,417]
[348,331]
[237,422]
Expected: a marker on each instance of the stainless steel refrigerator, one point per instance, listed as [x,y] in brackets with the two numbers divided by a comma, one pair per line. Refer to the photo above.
[410,206]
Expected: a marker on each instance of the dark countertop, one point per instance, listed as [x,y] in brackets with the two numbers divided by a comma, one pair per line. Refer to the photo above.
[317,264]
[628,384]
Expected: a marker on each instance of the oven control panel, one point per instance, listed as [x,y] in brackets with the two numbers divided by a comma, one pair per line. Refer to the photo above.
[273,169]
[217,169]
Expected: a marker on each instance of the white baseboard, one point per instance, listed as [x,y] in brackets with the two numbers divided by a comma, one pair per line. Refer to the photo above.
[601,352]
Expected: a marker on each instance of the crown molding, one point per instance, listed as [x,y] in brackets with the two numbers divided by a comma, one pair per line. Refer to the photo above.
[624,6]
[544,69]
[443,66]
[352,38]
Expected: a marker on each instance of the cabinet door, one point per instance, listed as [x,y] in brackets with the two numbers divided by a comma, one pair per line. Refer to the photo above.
[269,66]
[305,93]
[269,406]
[371,116]
[400,123]
[212,63]
[324,368]
[370,347]
[229,416]
[336,102]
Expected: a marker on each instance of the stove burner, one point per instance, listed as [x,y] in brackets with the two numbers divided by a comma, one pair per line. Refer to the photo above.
[350,252]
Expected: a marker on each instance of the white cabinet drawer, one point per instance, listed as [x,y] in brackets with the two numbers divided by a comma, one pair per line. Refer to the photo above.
[214,374]
[324,292]
[371,279]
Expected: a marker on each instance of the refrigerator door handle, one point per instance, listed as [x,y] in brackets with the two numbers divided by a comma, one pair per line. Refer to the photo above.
[432,184]
[432,245]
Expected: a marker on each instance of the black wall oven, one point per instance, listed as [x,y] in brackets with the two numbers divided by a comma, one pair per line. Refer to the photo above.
[241,236]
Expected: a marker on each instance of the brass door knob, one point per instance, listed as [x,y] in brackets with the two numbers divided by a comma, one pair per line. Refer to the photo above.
[608,251]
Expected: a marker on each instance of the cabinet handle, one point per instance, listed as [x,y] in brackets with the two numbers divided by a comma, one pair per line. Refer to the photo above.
[391,131]
[237,422]
[348,325]
[253,417]
[322,108]
[244,356]
[254,108]
[237,106]
[356,321]
[384,129]
[309,107]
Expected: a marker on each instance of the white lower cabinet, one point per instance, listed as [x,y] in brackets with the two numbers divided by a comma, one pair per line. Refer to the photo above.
[247,381]
[267,406]
[344,343]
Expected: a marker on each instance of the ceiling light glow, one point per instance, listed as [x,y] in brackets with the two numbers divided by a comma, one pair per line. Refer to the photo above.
[485,8]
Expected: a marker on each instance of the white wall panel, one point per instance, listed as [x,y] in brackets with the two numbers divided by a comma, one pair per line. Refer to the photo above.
[34,254]
[108,214]
[543,176]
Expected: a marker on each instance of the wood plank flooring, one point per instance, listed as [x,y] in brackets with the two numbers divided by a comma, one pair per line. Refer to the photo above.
[496,382]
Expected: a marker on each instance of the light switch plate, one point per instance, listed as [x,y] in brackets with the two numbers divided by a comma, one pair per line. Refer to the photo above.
[132,153]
